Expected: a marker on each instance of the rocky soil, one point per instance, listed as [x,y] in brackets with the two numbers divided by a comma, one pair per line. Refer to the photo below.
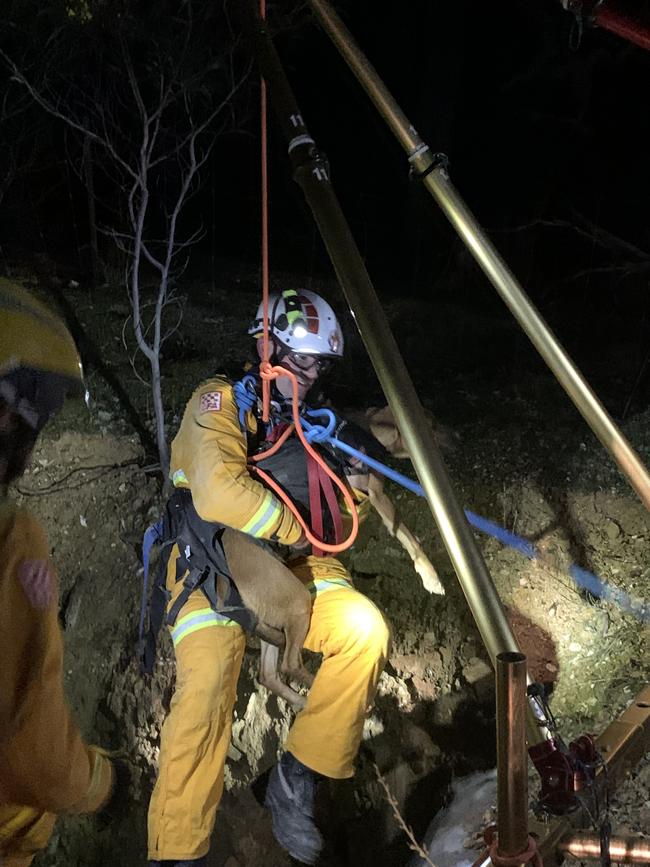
[520,456]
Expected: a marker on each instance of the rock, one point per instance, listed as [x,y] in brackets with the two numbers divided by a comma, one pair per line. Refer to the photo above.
[476,669]
[480,675]
[446,706]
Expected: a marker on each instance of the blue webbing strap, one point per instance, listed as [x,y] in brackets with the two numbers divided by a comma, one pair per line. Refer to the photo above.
[153,535]
[585,579]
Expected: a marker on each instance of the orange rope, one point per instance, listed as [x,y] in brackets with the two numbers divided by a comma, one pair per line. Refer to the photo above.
[277,445]
[266,349]
[269,372]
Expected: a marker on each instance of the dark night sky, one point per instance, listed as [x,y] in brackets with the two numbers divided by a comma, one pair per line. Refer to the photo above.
[534,130]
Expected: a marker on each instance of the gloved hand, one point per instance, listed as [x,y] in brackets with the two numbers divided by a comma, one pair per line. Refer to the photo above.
[302,546]
[118,801]
[355,436]
[357,478]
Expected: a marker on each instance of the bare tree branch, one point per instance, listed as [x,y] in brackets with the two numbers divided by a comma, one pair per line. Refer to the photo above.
[592,232]
[51,109]
[156,115]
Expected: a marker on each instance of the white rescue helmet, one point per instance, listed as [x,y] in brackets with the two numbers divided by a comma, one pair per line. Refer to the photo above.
[302,322]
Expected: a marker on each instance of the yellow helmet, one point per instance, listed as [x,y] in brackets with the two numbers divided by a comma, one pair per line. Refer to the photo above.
[39,362]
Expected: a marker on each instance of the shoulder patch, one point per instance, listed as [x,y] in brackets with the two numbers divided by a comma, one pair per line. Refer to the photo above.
[210,401]
[37,582]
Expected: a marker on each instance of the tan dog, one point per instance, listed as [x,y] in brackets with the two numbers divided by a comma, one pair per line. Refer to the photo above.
[383,505]
[283,608]
[281,603]
[381,424]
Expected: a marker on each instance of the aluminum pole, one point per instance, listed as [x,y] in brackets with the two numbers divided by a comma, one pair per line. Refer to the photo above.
[312,174]
[431,170]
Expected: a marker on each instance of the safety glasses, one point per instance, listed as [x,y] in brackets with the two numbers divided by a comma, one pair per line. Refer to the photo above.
[308,362]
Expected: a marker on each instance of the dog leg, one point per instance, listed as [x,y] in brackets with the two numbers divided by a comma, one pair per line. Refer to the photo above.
[295,632]
[271,640]
[381,502]
[269,677]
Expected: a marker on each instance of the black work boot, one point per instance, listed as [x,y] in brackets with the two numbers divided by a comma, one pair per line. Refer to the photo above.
[290,798]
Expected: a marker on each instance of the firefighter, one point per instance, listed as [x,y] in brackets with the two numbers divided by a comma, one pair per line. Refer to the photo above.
[209,460]
[45,767]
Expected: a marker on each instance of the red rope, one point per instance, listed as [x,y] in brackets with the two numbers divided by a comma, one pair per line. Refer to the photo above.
[315,508]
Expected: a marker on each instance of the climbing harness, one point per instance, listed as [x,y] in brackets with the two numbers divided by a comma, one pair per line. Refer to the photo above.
[153,536]
[201,565]
[293,473]
[317,481]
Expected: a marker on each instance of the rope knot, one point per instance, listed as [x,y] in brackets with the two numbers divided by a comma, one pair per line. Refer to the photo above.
[268,371]
[317,434]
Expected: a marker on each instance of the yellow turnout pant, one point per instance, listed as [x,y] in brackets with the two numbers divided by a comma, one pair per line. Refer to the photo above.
[24,831]
[346,628]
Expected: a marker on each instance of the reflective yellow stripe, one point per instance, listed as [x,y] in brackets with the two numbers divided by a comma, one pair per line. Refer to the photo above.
[322,585]
[203,618]
[99,765]
[179,478]
[264,518]
[13,819]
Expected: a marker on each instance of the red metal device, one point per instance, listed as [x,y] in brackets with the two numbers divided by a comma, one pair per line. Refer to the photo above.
[565,772]
[617,16]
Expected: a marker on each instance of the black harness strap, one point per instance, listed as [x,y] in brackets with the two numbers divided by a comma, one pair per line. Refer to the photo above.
[191,582]
[201,565]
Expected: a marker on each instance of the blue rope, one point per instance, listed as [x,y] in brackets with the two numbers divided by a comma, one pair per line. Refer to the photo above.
[585,579]
[245,396]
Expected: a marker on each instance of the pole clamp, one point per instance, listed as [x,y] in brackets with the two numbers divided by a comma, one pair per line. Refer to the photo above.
[530,855]
[438,161]
[298,140]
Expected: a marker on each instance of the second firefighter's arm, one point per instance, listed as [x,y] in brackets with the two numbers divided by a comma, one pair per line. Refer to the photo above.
[45,764]
[210,451]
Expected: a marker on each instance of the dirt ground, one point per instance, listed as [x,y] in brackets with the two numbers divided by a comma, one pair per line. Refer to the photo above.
[520,457]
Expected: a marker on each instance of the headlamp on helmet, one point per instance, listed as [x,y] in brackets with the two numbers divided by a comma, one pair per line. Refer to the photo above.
[302,322]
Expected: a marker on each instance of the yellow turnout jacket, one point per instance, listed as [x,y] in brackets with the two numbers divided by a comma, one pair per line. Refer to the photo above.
[209,456]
